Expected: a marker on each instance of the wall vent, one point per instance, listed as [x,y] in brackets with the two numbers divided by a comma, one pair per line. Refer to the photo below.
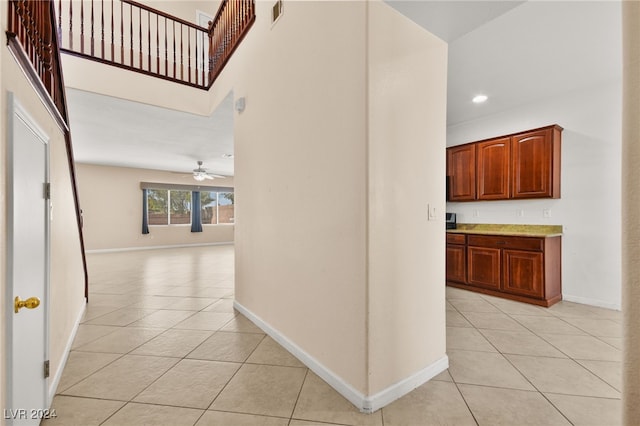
[276,11]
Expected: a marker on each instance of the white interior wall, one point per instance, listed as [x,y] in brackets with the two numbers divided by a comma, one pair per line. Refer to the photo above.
[589,207]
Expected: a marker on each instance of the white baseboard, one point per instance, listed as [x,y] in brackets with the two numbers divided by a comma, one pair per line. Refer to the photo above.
[365,403]
[115,250]
[591,302]
[53,386]
[398,390]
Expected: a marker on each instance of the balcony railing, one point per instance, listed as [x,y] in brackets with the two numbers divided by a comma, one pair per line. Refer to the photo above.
[30,26]
[131,35]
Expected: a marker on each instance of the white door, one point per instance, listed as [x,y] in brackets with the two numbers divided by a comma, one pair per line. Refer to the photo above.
[27,268]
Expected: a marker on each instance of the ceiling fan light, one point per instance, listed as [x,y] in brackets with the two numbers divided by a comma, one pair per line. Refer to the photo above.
[199,177]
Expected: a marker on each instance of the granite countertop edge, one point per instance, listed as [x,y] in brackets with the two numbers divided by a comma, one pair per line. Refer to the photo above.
[504,233]
[508,230]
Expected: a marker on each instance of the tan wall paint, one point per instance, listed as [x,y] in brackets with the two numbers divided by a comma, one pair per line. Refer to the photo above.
[299,144]
[407,137]
[111,200]
[67,277]
[306,273]
[630,217]
[95,77]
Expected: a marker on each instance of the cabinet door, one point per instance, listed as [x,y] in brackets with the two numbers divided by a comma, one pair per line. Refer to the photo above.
[523,273]
[494,163]
[456,263]
[534,174]
[461,169]
[483,267]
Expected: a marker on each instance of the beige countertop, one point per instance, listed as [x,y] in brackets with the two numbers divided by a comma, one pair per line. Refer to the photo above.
[505,229]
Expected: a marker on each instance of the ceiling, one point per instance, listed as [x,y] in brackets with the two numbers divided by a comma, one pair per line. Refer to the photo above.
[515,52]
[117,132]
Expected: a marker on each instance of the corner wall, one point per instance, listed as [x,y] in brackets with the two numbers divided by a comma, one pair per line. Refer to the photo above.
[591,197]
[356,290]
[111,201]
[300,145]
[407,134]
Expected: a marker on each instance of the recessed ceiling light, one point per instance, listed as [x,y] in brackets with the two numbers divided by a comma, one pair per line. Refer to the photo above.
[227,155]
[478,99]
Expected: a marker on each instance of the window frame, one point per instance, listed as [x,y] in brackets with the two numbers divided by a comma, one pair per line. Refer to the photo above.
[191,188]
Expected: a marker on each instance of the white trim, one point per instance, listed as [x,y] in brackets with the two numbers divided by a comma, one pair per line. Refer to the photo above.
[366,404]
[591,302]
[400,389]
[115,250]
[53,386]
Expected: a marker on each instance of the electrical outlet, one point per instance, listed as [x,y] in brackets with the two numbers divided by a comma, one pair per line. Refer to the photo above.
[546,213]
[476,213]
[520,212]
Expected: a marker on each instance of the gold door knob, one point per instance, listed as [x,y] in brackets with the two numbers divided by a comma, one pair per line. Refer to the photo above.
[30,303]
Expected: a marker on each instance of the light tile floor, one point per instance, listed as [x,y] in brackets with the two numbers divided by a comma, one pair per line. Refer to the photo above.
[160,344]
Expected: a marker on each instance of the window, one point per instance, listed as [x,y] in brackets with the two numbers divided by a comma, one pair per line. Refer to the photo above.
[225,207]
[209,206]
[172,204]
[217,207]
[169,207]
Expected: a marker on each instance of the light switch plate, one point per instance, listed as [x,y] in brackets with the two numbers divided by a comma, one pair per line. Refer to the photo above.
[431,212]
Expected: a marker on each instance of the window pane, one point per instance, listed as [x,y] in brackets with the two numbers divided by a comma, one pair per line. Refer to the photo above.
[180,211]
[157,200]
[209,204]
[225,207]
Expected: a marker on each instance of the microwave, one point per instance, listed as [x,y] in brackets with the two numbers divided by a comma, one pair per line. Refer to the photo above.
[451,220]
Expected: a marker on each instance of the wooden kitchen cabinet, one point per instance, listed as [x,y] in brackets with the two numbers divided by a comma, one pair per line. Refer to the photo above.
[484,267]
[523,268]
[535,158]
[456,258]
[461,173]
[523,273]
[493,162]
[517,166]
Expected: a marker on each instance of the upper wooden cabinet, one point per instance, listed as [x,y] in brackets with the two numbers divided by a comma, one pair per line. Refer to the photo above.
[461,172]
[521,165]
[536,163]
[493,166]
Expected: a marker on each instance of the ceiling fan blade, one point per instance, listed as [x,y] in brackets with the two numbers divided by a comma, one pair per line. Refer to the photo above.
[208,176]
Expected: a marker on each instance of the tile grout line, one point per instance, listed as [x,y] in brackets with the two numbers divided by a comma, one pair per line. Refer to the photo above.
[515,367]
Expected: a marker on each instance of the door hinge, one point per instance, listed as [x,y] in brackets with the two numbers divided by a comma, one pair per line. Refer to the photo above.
[46,369]
[47,191]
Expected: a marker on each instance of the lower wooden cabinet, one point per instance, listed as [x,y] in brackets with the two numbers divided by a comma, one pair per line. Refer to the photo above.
[523,273]
[456,258]
[484,267]
[527,269]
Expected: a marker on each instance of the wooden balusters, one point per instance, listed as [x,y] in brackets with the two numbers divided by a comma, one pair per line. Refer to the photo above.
[192,55]
[102,29]
[92,30]
[112,40]
[82,27]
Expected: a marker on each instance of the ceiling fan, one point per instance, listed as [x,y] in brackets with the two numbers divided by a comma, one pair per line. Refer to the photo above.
[201,173]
